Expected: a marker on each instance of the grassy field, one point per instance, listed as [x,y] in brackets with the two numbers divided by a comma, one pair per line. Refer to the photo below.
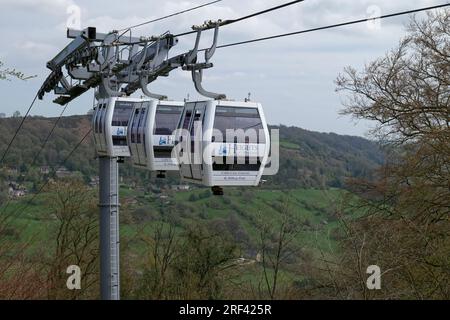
[289,145]
[314,208]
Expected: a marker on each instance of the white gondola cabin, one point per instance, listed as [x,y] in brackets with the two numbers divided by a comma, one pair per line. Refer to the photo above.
[151,134]
[110,124]
[234,146]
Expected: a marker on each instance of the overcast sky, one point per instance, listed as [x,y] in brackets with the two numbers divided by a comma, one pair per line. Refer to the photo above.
[292,77]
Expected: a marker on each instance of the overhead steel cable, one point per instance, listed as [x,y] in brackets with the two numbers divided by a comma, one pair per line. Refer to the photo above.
[334,26]
[49,135]
[126,30]
[227,22]
[170,15]
[5,217]
[231,21]
[5,153]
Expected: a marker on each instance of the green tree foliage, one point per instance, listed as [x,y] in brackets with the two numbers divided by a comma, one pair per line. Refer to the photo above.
[319,160]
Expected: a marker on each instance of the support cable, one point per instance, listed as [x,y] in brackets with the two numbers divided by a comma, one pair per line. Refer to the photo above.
[227,22]
[5,153]
[49,135]
[333,26]
[169,16]
[352,22]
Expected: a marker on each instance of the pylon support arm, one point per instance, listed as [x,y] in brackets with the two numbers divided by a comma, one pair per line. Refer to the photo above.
[92,64]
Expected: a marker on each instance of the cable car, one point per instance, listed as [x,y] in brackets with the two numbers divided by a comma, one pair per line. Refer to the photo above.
[234,146]
[110,123]
[150,134]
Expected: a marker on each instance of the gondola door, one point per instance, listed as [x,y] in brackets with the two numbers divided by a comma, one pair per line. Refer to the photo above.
[142,136]
[196,132]
[185,168]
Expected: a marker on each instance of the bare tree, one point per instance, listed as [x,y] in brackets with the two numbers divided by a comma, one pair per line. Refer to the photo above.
[20,276]
[7,74]
[162,246]
[406,227]
[276,246]
[76,239]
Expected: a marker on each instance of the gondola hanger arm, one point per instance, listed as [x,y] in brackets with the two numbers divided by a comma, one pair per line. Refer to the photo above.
[144,74]
[197,68]
[110,60]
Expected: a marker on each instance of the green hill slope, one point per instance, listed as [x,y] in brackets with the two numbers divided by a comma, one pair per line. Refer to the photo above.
[308,159]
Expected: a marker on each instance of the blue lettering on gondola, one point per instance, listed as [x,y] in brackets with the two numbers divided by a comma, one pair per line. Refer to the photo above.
[120,132]
[162,141]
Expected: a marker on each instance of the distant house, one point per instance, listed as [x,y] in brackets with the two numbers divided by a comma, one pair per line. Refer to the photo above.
[63,172]
[44,170]
[16,191]
[19,193]
[183,187]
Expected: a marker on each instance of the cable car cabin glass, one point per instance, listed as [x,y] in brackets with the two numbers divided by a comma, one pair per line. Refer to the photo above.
[166,121]
[230,120]
[235,144]
[110,124]
[151,134]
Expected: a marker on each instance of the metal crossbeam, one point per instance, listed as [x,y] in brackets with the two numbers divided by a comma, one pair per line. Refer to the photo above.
[94,58]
